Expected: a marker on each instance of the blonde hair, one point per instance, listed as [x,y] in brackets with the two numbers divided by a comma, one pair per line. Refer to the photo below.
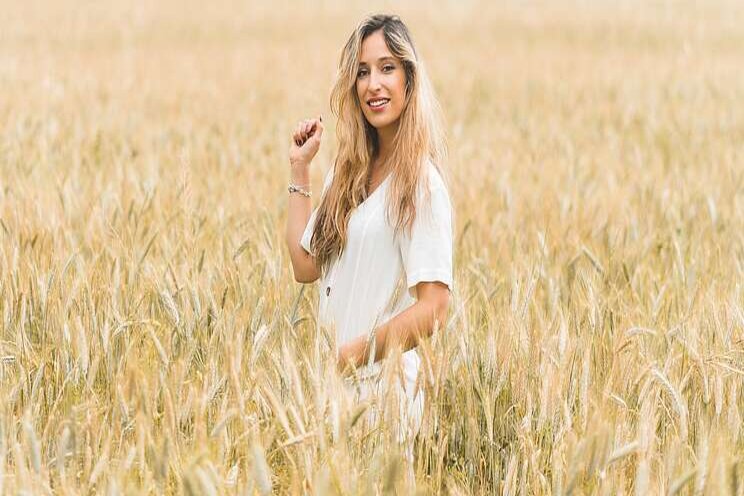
[419,139]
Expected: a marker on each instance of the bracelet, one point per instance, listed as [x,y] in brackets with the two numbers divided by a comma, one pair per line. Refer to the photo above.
[294,188]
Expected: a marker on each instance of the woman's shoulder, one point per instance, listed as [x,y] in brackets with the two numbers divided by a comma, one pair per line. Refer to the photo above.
[434,179]
[432,191]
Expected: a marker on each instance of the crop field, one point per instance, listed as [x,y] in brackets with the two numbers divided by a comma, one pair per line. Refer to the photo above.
[153,339]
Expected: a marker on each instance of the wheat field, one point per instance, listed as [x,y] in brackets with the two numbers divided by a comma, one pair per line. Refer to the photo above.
[153,340]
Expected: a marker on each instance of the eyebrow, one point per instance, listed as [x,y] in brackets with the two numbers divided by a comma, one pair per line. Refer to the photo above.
[380,60]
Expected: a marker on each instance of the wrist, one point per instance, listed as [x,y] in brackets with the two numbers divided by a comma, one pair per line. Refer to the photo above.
[300,176]
[342,362]
[357,352]
[299,165]
[348,358]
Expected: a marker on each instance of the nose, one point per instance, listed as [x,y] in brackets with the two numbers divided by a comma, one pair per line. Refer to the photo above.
[374,80]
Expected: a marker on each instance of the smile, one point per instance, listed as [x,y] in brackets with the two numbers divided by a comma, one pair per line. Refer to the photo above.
[378,103]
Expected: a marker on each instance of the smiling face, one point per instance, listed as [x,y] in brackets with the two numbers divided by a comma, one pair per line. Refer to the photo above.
[380,84]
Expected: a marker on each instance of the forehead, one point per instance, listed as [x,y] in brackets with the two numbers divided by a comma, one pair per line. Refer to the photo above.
[374,48]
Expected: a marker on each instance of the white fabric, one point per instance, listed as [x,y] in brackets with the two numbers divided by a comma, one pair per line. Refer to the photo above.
[366,283]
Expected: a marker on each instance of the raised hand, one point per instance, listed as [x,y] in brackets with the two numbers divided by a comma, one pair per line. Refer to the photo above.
[305,142]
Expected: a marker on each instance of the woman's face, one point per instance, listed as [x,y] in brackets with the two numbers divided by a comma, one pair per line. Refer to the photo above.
[381,79]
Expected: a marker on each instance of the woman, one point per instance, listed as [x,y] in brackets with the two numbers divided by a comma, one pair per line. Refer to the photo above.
[380,242]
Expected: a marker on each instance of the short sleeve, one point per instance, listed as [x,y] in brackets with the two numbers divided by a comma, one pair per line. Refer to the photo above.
[308,233]
[426,252]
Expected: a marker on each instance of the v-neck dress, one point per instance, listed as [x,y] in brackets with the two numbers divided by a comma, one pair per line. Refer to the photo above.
[375,277]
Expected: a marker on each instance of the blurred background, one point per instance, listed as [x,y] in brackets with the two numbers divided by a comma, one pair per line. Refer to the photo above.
[148,308]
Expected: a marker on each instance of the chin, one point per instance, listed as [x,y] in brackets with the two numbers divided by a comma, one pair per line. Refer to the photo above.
[380,124]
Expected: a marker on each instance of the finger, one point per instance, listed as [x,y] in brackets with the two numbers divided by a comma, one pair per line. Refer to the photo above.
[318,130]
[300,133]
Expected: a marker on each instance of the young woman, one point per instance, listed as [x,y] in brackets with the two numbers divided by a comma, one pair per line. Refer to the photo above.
[380,241]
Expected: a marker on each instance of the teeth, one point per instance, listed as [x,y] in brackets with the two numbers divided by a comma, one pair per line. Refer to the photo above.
[377,103]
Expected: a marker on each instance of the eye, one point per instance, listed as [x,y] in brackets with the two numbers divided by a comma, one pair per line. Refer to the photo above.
[388,66]
[361,72]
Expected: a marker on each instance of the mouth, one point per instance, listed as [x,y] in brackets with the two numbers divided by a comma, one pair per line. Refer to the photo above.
[378,104]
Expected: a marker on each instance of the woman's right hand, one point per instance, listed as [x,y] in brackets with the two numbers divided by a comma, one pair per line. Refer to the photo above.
[305,142]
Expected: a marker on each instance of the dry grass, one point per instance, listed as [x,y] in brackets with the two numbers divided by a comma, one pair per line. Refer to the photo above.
[152,339]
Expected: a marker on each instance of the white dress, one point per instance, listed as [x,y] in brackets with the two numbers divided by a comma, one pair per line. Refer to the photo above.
[363,288]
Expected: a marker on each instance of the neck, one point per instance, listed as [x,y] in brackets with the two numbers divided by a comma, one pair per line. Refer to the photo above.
[385,140]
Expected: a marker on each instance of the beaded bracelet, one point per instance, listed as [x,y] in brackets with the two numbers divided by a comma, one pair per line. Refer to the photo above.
[293,187]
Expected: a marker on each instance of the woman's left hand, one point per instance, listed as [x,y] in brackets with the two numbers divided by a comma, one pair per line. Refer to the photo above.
[342,360]
[348,357]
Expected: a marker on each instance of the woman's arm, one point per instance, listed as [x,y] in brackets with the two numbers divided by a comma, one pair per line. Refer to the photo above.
[300,207]
[305,145]
[405,329]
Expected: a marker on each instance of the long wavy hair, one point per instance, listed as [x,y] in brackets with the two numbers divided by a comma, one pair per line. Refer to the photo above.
[419,138]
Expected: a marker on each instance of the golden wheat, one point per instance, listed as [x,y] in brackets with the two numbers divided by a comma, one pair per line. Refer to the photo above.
[152,339]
